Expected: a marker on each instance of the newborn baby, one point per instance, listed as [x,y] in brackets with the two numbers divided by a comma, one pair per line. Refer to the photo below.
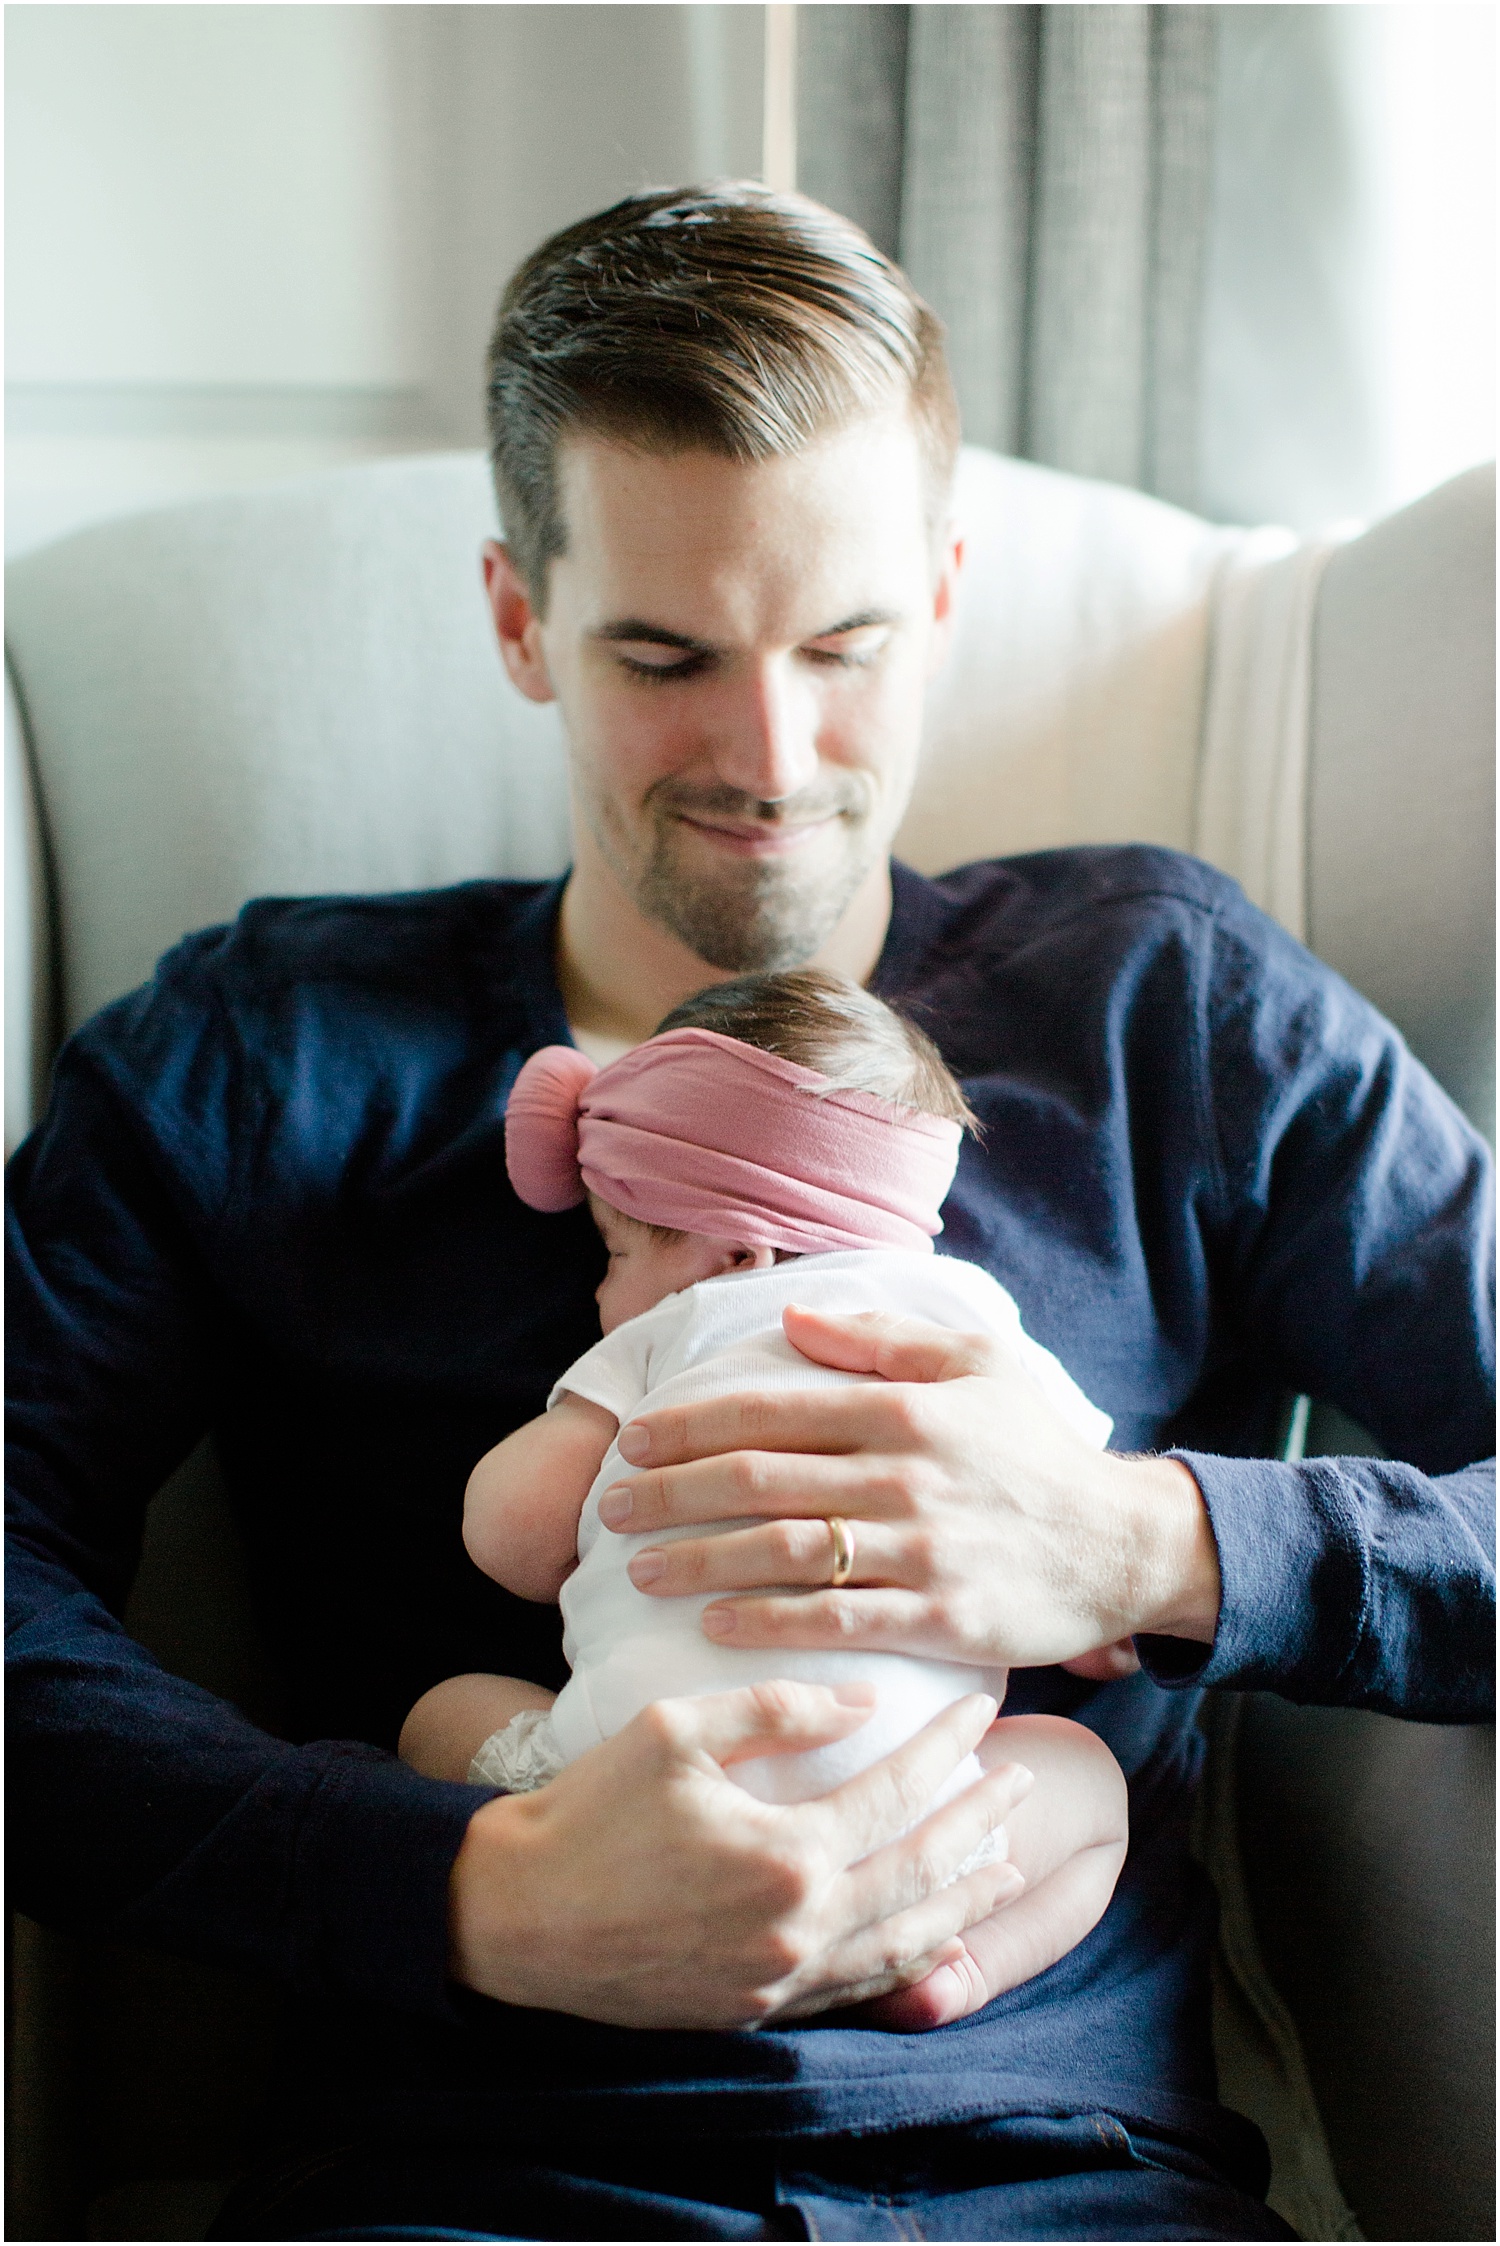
[783,1140]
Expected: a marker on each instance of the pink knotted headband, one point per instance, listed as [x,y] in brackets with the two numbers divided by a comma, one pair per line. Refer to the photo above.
[709,1135]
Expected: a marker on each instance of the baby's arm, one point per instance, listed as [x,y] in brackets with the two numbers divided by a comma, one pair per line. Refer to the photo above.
[524,1497]
[521,1513]
[1068,1839]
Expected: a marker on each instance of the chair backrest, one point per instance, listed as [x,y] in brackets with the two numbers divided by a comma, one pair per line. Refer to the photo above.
[294,690]
[1401,799]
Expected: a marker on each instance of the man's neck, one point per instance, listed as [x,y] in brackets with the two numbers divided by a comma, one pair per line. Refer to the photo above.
[619,972]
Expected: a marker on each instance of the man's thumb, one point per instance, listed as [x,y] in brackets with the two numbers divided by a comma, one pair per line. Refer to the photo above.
[879,1341]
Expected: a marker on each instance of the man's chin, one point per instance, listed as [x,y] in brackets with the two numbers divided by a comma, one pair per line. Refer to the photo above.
[751,919]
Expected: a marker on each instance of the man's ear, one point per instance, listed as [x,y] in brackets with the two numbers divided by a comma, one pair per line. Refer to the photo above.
[944,596]
[517,626]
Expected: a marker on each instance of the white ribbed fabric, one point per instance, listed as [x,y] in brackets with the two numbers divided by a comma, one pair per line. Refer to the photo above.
[716,1339]
[1251,816]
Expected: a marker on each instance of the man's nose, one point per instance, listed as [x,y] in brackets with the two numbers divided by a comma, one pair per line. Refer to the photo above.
[769,744]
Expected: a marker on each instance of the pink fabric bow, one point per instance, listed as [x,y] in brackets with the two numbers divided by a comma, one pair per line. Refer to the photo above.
[708,1135]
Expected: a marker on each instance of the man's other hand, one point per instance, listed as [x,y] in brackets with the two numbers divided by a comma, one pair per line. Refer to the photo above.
[643,1887]
[985,1530]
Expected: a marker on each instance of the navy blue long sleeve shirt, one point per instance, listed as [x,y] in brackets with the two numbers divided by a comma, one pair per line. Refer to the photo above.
[268,1198]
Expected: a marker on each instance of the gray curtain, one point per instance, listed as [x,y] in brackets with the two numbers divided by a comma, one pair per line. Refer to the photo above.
[1044,175]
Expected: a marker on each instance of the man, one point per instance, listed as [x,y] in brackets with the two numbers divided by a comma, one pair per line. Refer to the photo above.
[268,1196]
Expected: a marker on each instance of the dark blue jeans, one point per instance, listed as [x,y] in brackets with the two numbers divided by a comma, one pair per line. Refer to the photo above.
[1086,2176]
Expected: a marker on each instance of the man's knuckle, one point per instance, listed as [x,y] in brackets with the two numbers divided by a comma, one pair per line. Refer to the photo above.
[756,1414]
[798,1542]
[922,1555]
[778,1702]
[647,1500]
[748,1471]
[915,1412]
[790,1874]
[689,1565]
[665,1723]
[844,1614]
[782,1952]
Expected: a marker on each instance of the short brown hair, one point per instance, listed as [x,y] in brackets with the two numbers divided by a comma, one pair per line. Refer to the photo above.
[725,318]
[824,1022]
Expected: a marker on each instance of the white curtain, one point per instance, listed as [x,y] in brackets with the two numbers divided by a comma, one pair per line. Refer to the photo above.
[1043,174]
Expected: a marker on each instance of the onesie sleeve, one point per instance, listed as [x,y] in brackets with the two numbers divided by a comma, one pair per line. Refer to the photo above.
[616,1373]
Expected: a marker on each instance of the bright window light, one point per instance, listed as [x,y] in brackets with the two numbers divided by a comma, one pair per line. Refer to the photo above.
[1439,236]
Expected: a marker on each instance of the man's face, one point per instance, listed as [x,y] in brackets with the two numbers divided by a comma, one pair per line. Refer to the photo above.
[740,653]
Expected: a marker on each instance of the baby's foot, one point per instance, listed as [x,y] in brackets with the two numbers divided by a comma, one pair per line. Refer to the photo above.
[955,1987]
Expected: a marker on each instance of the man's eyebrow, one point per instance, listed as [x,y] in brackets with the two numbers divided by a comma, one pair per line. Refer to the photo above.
[636,628]
[656,635]
[863,622]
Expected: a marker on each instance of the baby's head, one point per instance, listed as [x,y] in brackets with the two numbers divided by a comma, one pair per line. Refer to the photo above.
[648,1262]
[768,1117]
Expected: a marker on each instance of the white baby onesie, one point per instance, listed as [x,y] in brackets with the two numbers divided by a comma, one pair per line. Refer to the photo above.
[627,1649]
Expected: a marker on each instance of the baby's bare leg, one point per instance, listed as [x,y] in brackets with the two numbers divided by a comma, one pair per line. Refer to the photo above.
[1079,1800]
[449,1724]
[1067,1838]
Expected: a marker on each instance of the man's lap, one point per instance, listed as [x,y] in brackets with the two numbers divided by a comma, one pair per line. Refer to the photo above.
[1083,2177]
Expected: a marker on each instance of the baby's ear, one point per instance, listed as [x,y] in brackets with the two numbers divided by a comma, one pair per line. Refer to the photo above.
[749,1259]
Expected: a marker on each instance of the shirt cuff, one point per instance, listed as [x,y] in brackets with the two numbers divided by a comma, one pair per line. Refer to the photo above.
[373,1862]
[1292,1568]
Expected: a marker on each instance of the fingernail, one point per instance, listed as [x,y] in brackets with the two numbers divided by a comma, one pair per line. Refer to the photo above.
[1011,1883]
[719,1622]
[634,1444]
[854,1694]
[615,1507]
[645,1567]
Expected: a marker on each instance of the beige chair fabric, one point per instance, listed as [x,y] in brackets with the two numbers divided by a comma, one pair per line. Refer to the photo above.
[29,936]
[296,691]
[1401,812]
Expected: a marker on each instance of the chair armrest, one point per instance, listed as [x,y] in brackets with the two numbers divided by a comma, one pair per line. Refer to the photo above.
[1367,1848]
[30,970]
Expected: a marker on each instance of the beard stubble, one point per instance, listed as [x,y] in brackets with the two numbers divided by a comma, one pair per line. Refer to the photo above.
[747,916]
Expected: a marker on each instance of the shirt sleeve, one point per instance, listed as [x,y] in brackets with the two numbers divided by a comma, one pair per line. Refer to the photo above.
[1354,1244]
[141,1807]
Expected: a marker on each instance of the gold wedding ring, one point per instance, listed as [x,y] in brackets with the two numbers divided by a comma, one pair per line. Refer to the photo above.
[843,1552]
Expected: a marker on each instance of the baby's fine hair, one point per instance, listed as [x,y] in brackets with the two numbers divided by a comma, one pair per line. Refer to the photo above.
[826,1023]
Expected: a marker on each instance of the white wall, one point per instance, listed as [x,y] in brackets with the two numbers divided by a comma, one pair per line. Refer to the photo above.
[246,241]
[1349,329]
[548,113]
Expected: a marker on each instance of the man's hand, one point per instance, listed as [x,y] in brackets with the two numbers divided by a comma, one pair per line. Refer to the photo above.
[985,1529]
[643,1887]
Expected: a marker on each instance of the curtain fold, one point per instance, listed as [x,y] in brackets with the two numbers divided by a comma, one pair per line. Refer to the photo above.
[1044,175]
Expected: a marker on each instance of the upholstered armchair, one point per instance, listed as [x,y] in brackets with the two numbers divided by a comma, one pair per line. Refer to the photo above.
[294,690]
